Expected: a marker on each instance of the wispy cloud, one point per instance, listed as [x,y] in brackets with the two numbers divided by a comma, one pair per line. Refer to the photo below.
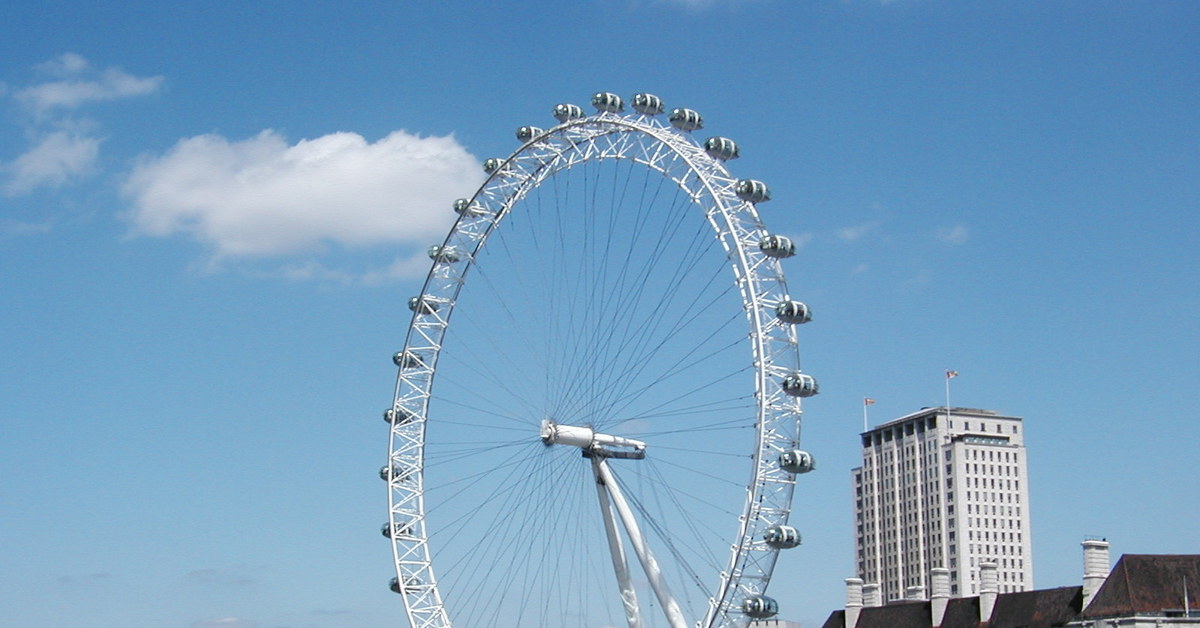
[55,159]
[958,234]
[64,146]
[857,232]
[79,83]
[264,197]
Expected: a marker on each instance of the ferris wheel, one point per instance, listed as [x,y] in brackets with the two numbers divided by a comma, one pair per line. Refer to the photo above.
[608,433]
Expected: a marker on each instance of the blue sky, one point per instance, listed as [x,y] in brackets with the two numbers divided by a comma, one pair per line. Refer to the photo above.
[212,214]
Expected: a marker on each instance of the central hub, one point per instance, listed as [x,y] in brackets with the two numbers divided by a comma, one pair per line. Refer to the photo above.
[591,441]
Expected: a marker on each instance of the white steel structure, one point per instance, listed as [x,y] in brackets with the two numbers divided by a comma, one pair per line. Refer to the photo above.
[943,488]
[623,364]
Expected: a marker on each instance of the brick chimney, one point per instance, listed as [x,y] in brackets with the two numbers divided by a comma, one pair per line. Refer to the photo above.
[1095,567]
[988,590]
[940,596]
[854,600]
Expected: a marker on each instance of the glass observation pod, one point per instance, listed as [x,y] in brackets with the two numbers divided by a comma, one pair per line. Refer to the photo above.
[464,207]
[686,119]
[527,133]
[398,531]
[422,305]
[407,359]
[777,246]
[386,472]
[752,191]
[608,102]
[797,461]
[567,111]
[781,537]
[400,416]
[410,583]
[721,148]
[492,165]
[793,312]
[760,606]
[800,385]
[647,104]
[445,254]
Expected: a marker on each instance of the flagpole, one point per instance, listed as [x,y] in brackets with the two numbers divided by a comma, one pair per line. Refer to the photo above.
[949,376]
[865,404]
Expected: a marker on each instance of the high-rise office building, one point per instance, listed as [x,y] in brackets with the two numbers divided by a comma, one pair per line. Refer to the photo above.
[943,488]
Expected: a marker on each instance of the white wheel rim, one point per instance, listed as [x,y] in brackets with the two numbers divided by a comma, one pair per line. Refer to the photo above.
[759,285]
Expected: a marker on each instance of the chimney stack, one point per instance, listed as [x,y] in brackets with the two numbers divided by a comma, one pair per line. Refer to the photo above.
[988,590]
[915,592]
[940,597]
[1095,567]
[871,595]
[854,600]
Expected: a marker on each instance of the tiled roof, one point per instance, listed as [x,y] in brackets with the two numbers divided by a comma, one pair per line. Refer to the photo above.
[915,613]
[1145,583]
[961,612]
[837,619]
[1042,608]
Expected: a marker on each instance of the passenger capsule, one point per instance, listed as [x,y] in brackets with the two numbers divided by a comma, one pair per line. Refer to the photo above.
[782,537]
[793,312]
[444,254]
[527,133]
[777,246]
[422,305]
[752,191]
[567,111]
[686,120]
[760,606]
[492,164]
[410,583]
[797,461]
[799,384]
[647,104]
[400,416]
[386,472]
[399,531]
[721,148]
[608,102]
[407,360]
[464,207]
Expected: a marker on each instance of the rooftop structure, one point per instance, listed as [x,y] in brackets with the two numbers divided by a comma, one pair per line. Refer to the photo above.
[943,488]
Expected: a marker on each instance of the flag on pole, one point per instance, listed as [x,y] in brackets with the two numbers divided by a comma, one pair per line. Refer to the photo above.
[867,401]
[951,374]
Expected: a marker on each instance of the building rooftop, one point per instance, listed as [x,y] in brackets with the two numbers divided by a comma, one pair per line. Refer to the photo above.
[1147,583]
[1139,585]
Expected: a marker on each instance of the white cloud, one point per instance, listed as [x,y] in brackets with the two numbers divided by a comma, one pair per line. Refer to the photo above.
[263,197]
[856,232]
[79,83]
[64,147]
[54,160]
[958,234]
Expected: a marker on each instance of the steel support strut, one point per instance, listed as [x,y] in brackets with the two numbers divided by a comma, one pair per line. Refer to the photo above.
[633,613]
[649,564]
